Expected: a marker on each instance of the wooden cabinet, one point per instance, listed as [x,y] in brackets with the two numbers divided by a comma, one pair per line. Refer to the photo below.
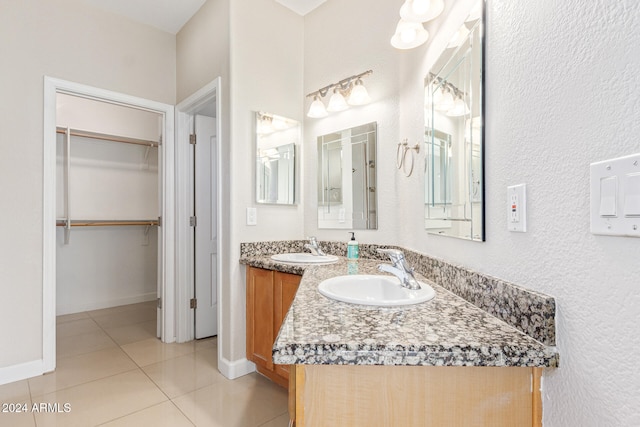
[269,296]
[416,396]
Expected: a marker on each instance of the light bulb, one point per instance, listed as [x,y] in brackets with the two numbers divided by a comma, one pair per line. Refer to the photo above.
[337,102]
[409,35]
[459,108]
[421,10]
[359,94]
[317,110]
[447,101]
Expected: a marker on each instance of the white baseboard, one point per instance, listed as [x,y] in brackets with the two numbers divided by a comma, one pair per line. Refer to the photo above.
[21,371]
[96,305]
[235,369]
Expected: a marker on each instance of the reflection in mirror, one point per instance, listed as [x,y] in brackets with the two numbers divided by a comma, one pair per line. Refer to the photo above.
[347,179]
[276,139]
[454,137]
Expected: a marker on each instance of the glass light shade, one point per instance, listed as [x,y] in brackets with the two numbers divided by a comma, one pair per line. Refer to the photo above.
[317,110]
[459,37]
[459,108]
[359,94]
[409,35]
[337,102]
[447,102]
[475,13]
[421,10]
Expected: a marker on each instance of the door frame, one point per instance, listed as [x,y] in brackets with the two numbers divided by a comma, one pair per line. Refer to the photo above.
[53,86]
[185,316]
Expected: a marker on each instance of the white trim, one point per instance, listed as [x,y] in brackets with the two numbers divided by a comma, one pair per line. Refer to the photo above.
[184,238]
[23,370]
[76,308]
[52,86]
[233,370]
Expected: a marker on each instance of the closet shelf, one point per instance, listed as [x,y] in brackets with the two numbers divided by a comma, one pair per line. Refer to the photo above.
[108,137]
[107,223]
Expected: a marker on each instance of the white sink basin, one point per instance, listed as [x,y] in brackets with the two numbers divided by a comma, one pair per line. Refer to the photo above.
[374,290]
[305,258]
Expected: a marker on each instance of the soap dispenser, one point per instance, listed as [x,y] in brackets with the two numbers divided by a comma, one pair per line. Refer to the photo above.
[353,250]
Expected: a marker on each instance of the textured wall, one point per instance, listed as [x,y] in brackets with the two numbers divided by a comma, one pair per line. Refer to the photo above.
[561,92]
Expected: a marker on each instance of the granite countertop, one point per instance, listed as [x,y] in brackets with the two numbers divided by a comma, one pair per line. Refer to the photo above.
[446,331]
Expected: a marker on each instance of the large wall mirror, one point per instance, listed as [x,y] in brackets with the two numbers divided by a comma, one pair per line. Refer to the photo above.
[454,136]
[276,140]
[347,197]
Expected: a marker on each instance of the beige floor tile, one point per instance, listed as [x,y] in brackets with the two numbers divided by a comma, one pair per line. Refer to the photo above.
[245,402]
[207,343]
[281,421]
[153,350]
[80,369]
[15,392]
[133,333]
[125,318]
[76,327]
[163,415]
[100,401]
[15,419]
[84,343]
[17,399]
[187,373]
[71,317]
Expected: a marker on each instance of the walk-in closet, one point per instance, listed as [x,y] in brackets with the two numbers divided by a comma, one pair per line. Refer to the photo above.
[108,204]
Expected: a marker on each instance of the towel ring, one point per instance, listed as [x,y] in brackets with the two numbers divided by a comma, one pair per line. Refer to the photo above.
[401,156]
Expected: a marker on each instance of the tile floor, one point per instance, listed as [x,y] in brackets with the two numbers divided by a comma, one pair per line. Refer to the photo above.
[112,371]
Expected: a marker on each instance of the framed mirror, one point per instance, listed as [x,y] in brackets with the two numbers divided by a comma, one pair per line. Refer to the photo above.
[276,141]
[454,136]
[347,196]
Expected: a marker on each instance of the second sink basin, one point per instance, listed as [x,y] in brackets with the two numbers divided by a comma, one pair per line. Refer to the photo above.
[376,290]
[304,258]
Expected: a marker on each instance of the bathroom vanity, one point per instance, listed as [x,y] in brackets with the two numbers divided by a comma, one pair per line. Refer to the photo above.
[442,362]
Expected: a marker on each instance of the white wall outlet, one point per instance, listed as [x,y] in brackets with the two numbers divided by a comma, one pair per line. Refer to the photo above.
[252,216]
[517,208]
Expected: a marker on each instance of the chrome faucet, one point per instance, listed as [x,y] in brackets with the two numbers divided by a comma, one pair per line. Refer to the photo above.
[314,247]
[400,268]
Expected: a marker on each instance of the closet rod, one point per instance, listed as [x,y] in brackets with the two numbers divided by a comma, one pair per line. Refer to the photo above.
[107,137]
[79,223]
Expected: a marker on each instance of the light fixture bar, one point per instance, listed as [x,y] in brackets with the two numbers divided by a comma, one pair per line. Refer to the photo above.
[342,84]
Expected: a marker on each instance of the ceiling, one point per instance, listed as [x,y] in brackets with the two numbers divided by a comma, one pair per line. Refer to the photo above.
[171,15]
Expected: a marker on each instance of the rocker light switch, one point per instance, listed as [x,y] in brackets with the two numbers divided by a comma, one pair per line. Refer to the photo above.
[609,196]
[632,195]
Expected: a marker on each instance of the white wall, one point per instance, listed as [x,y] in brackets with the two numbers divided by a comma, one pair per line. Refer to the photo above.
[71,40]
[561,92]
[266,75]
[256,47]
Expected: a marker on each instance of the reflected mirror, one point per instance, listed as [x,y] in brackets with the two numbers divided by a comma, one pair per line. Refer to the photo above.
[454,136]
[347,197]
[276,140]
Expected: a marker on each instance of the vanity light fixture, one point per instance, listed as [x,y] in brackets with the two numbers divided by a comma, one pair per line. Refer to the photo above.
[421,10]
[446,101]
[268,123]
[346,92]
[409,35]
[337,102]
[459,108]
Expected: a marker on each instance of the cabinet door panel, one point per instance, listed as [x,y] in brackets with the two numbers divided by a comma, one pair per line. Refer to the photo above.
[260,314]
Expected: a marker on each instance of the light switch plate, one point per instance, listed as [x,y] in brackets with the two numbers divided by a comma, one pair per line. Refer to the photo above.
[252,216]
[517,208]
[615,196]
